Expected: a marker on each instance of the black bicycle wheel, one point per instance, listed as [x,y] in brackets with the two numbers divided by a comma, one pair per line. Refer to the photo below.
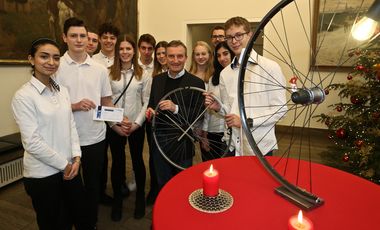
[178,136]
[300,46]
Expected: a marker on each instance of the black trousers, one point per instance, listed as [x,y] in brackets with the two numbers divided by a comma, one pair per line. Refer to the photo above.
[165,170]
[152,172]
[58,203]
[216,146]
[136,144]
[92,165]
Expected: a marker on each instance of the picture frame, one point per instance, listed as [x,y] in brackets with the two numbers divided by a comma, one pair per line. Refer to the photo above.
[333,21]
[22,21]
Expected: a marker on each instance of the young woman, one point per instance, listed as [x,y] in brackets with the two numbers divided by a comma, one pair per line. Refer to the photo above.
[159,58]
[42,110]
[126,73]
[202,67]
[214,123]
[202,61]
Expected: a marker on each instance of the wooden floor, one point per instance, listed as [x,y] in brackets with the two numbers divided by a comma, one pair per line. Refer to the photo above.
[16,211]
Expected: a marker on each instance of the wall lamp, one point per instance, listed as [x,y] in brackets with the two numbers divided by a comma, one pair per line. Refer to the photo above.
[366,27]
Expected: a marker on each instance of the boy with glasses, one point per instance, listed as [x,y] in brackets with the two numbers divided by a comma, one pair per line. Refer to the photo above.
[259,69]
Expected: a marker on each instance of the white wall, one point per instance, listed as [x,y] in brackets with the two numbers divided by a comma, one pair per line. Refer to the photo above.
[166,20]
[11,78]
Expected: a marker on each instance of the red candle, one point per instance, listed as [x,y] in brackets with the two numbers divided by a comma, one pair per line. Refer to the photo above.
[300,223]
[210,182]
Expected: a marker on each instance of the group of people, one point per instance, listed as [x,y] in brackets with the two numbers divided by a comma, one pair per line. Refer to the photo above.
[65,160]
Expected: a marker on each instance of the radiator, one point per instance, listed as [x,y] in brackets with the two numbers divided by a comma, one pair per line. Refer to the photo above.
[10,172]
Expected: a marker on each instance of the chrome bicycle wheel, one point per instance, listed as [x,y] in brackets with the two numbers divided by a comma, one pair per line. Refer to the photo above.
[303,37]
[178,136]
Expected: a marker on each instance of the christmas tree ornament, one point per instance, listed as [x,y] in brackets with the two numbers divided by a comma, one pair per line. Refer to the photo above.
[339,108]
[355,100]
[345,157]
[359,143]
[361,68]
[376,115]
[341,133]
[376,67]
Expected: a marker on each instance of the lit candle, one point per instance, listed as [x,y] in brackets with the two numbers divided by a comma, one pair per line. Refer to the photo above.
[211,182]
[300,223]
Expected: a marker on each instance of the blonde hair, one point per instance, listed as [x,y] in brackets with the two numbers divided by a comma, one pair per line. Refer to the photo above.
[210,66]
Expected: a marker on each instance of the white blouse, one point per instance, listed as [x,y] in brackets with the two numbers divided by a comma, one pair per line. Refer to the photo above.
[213,121]
[136,97]
[47,127]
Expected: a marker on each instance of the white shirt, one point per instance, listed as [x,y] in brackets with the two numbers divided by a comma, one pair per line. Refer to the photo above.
[103,59]
[136,97]
[213,121]
[86,80]
[264,73]
[147,68]
[47,128]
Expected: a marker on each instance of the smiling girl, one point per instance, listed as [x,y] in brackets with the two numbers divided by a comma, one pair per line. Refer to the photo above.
[42,110]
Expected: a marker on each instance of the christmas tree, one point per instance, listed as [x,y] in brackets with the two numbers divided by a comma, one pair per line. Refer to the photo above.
[354,126]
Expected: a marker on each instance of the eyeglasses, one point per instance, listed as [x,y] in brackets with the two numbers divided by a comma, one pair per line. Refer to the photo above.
[237,37]
[219,37]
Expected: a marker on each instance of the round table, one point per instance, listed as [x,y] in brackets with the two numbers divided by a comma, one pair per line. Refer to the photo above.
[350,202]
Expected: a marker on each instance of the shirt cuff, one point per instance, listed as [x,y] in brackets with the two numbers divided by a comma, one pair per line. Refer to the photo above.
[176,109]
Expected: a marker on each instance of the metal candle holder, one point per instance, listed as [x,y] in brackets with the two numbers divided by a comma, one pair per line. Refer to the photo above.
[220,203]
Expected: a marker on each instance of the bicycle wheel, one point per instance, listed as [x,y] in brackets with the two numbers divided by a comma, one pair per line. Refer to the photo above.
[287,31]
[178,136]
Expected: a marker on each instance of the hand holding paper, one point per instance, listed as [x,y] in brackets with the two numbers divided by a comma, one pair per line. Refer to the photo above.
[105,113]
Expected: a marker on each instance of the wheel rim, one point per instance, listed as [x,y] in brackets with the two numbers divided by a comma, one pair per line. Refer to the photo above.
[175,133]
[306,87]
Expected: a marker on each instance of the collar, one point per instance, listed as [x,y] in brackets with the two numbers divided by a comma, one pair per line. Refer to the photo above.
[40,87]
[102,55]
[123,71]
[149,66]
[253,59]
[180,74]
[70,61]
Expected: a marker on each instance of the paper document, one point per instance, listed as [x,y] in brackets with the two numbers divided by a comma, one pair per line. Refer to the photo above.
[105,113]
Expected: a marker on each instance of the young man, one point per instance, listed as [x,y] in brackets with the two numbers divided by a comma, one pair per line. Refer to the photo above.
[163,83]
[88,85]
[93,41]
[108,34]
[217,35]
[146,44]
[108,37]
[261,69]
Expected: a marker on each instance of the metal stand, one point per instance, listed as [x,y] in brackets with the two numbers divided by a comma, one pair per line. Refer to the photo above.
[220,203]
[298,200]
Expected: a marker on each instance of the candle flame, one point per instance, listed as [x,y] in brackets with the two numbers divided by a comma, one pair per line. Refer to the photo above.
[211,169]
[300,219]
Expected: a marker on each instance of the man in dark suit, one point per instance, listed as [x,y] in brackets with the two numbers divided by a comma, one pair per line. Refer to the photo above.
[175,78]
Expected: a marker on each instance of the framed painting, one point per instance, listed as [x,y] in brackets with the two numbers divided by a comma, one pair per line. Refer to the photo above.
[333,44]
[22,21]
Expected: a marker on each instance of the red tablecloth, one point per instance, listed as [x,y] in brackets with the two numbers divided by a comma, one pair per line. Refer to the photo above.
[350,202]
